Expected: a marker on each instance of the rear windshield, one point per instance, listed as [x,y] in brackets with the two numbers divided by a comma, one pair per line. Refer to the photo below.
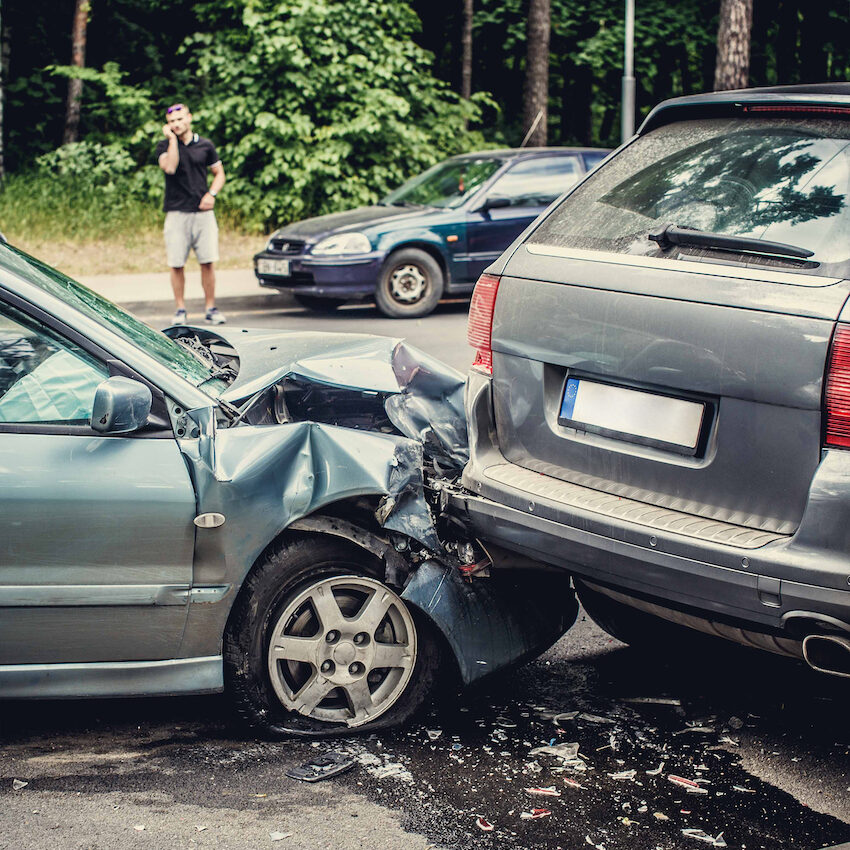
[779,179]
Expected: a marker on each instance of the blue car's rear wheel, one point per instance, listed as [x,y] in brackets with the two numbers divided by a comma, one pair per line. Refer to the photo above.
[410,285]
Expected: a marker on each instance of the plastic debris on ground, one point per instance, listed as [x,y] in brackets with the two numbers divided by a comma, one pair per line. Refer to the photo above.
[18,784]
[743,790]
[700,835]
[572,783]
[705,730]
[566,752]
[321,767]
[652,701]
[535,814]
[433,734]
[624,774]
[484,824]
[551,791]
[688,784]
[660,816]
[656,771]
[279,836]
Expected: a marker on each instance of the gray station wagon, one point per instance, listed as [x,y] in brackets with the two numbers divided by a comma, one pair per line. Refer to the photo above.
[661,398]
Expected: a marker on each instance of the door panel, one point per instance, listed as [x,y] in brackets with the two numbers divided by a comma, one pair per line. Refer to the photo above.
[88,519]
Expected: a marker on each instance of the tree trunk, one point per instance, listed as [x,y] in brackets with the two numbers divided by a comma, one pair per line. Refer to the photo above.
[536,91]
[466,42]
[733,45]
[78,60]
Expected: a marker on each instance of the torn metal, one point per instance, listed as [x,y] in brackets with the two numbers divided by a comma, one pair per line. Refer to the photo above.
[362,437]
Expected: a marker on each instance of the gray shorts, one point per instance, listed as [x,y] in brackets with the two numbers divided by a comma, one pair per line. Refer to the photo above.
[185,231]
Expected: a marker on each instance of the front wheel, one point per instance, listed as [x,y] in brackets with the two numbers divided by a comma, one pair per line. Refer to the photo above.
[410,285]
[317,646]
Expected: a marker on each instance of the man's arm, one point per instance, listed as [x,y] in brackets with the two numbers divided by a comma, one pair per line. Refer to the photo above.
[169,160]
[208,201]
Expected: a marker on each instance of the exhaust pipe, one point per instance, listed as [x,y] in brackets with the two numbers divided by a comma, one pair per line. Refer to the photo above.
[828,654]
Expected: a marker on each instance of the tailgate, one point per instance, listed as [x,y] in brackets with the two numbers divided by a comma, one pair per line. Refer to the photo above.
[739,353]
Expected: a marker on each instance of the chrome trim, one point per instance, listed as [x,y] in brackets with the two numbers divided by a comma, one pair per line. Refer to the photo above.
[112,679]
[666,264]
[76,595]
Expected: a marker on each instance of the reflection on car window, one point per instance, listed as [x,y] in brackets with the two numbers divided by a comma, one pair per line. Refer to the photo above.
[536,182]
[155,344]
[778,179]
[42,378]
[448,184]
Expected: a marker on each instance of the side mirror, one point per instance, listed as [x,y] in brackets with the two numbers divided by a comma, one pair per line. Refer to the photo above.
[493,203]
[121,406]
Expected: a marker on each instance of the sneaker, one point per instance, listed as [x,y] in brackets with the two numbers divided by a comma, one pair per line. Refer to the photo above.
[180,318]
[215,317]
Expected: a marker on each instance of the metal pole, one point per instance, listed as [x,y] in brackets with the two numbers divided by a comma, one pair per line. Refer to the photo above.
[627,119]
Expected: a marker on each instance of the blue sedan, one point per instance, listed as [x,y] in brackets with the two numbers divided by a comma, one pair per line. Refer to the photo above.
[430,238]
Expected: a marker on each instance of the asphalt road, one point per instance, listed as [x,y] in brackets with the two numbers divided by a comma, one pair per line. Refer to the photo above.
[765,738]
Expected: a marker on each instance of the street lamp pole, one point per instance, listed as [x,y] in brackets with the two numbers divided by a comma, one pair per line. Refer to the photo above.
[627,119]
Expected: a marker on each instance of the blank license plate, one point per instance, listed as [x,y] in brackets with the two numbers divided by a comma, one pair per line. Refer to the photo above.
[278,267]
[631,415]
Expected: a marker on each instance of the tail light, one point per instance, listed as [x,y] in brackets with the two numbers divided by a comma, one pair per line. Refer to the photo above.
[837,394]
[479,330]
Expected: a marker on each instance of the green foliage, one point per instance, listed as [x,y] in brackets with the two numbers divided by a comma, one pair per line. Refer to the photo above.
[320,105]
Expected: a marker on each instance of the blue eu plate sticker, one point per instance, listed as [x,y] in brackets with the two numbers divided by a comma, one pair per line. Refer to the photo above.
[569,402]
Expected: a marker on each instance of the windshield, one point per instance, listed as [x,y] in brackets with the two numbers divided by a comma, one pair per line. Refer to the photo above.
[447,184]
[779,179]
[171,354]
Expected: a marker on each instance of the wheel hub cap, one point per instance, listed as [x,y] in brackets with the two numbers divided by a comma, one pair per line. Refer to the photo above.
[342,650]
[408,284]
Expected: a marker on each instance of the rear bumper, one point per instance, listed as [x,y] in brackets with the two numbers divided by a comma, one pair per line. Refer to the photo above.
[775,586]
[331,276]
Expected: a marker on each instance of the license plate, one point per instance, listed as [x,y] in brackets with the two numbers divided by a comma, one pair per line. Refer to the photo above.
[632,415]
[276,267]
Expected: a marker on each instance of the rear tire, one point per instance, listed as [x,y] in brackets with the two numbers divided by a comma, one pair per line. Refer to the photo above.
[411,284]
[300,629]
[318,304]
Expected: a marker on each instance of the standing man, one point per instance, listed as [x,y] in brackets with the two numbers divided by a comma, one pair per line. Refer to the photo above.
[190,222]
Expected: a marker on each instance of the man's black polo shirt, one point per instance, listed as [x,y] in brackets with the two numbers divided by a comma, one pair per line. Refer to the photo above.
[185,188]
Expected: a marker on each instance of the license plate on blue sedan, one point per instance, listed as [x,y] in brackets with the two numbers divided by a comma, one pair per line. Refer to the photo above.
[275,267]
[632,415]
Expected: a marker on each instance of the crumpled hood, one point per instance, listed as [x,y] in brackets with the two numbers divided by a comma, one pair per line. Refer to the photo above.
[313,229]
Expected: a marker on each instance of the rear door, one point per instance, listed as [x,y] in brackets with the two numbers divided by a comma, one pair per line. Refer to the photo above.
[524,191]
[602,338]
[96,533]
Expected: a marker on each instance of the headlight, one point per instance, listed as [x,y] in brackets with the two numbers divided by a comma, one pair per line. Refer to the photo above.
[343,243]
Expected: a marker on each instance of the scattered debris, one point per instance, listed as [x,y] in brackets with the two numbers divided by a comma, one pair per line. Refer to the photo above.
[483,824]
[551,791]
[592,843]
[731,741]
[139,827]
[627,821]
[660,816]
[743,790]
[736,723]
[505,723]
[700,835]
[18,784]
[691,786]
[656,771]
[566,752]
[706,730]
[279,836]
[433,734]
[535,814]
[321,767]
[572,783]
[652,701]
[200,828]
[624,774]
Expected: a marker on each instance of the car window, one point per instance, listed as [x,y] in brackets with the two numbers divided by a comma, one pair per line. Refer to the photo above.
[536,182]
[174,356]
[781,180]
[43,379]
[593,158]
[447,184]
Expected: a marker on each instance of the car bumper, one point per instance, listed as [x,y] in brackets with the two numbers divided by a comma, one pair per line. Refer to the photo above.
[329,276]
[777,586]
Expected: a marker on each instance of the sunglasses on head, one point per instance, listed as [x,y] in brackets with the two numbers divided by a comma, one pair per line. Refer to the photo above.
[174,108]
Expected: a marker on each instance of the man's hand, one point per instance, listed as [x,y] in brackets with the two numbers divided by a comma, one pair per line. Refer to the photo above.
[207,202]
[168,132]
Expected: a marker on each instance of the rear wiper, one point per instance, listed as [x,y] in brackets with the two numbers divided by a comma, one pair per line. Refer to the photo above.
[670,234]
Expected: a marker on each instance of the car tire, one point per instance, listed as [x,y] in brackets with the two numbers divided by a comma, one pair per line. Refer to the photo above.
[634,627]
[318,304]
[411,284]
[280,604]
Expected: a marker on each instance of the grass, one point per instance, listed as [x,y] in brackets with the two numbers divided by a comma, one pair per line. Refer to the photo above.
[88,230]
